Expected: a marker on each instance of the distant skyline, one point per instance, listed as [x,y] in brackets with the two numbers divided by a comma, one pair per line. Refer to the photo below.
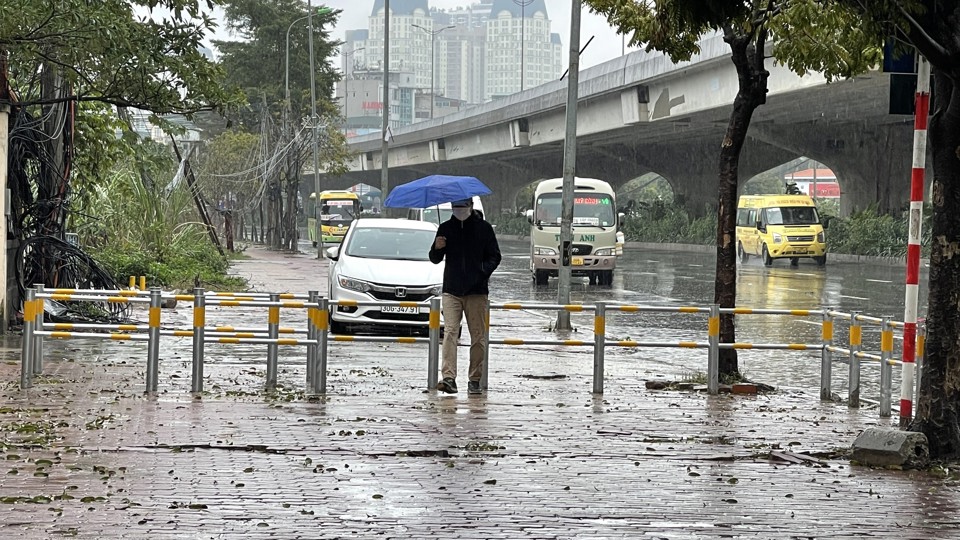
[606,44]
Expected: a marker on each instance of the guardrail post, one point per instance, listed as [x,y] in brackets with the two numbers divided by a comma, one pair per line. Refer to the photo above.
[273,332]
[599,345]
[27,340]
[856,337]
[486,348]
[153,345]
[713,355]
[323,328]
[826,357]
[311,337]
[433,354]
[921,343]
[38,340]
[886,370]
[199,321]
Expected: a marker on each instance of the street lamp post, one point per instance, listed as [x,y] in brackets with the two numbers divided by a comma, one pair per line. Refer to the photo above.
[523,23]
[433,57]
[286,69]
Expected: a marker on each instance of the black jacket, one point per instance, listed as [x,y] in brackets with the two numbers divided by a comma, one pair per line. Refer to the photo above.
[472,255]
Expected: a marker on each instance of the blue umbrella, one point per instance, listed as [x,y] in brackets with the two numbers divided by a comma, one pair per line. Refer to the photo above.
[434,190]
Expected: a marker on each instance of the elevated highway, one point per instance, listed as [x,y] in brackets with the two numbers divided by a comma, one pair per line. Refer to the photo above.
[644,113]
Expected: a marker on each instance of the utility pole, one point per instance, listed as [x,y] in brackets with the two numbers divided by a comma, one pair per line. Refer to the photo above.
[315,124]
[569,169]
[385,109]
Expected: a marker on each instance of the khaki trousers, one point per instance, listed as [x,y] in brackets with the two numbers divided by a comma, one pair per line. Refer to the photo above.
[474,306]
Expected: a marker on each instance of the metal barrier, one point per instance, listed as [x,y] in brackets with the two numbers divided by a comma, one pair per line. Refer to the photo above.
[317,331]
[318,336]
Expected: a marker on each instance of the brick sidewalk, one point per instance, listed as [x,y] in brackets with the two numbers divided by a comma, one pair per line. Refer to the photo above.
[87,455]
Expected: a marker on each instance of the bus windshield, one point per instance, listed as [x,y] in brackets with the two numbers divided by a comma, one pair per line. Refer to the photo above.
[339,212]
[592,209]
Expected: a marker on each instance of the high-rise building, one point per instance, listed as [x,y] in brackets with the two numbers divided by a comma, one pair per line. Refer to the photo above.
[463,55]
[520,26]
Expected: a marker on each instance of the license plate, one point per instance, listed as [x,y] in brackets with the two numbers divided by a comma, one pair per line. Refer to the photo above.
[399,309]
[577,261]
[800,251]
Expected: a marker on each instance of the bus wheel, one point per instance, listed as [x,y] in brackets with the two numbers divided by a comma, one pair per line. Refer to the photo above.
[605,278]
[767,259]
[741,254]
[794,261]
[540,277]
[821,260]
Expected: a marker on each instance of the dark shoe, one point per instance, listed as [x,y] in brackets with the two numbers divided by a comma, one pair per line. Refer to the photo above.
[447,385]
[473,387]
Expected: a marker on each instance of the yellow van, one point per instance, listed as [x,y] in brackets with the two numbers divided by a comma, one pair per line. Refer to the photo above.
[780,227]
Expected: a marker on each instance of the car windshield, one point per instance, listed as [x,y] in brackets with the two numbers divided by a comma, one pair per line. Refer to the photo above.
[792,215]
[384,243]
[588,209]
[430,214]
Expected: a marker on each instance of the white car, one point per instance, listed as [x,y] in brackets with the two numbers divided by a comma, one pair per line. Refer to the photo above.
[384,259]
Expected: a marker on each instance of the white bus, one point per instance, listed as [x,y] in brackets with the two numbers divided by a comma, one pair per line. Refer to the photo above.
[593,252]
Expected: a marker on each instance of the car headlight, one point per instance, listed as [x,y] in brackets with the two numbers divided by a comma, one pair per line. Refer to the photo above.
[436,290]
[777,238]
[603,252]
[544,251]
[353,284]
[822,237]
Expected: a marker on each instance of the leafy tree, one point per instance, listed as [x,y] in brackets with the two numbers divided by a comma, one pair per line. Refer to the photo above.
[258,63]
[675,26]
[68,69]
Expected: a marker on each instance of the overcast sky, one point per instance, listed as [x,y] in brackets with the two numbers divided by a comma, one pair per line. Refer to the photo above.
[606,44]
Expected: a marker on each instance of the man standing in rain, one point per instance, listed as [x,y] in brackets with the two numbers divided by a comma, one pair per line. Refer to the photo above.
[470,247]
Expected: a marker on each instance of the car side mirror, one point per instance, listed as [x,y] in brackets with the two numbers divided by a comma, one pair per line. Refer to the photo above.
[529,214]
[826,222]
[761,227]
[621,217]
[332,253]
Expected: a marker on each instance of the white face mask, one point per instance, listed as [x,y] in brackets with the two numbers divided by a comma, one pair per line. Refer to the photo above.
[462,213]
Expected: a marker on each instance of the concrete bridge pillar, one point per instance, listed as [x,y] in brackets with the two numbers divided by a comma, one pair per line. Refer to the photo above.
[872,163]
[692,167]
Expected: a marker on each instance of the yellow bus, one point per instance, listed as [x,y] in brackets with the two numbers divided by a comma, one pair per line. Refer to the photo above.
[338,208]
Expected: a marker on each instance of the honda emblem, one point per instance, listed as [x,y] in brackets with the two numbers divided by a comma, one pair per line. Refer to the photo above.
[401,292]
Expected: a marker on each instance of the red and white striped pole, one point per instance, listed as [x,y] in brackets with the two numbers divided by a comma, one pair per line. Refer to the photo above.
[922,107]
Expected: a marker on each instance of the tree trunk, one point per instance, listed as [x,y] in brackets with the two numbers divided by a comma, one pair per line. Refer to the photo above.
[938,407]
[751,94]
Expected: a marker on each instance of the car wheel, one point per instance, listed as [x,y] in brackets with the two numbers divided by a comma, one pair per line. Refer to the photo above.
[794,261]
[540,277]
[605,278]
[767,259]
[742,255]
[314,243]
[821,260]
